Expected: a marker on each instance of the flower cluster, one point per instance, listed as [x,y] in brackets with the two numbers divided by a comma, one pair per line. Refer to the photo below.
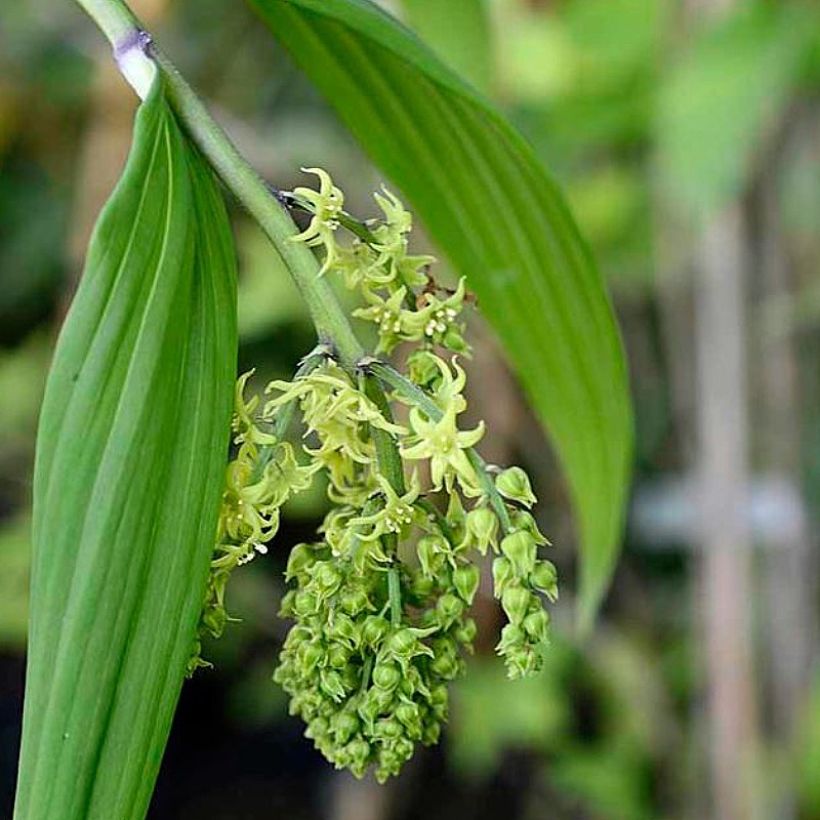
[380,602]
[400,297]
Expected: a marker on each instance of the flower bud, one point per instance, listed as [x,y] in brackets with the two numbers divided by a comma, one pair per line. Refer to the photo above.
[215,618]
[344,726]
[286,604]
[401,643]
[522,663]
[522,520]
[408,713]
[386,676]
[422,369]
[516,602]
[331,684]
[511,636]
[421,586]
[355,600]
[445,666]
[449,608]
[317,728]
[388,728]
[430,549]
[544,577]
[305,604]
[536,625]
[465,580]
[482,525]
[301,558]
[453,340]
[327,579]
[520,548]
[310,654]
[431,733]
[359,751]
[503,575]
[383,699]
[373,630]
[338,656]
[513,483]
[467,632]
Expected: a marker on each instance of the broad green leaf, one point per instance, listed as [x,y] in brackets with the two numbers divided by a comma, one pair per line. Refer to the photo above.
[130,460]
[501,220]
[459,32]
[720,103]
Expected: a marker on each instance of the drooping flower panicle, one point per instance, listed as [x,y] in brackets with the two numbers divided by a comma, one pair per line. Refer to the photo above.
[377,637]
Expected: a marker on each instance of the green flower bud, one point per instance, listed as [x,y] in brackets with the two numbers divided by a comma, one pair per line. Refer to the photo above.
[444,645]
[286,604]
[430,550]
[388,728]
[331,683]
[355,600]
[214,620]
[431,734]
[402,643]
[408,713]
[516,602]
[465,580]
[327,579]
[302,557]
[382,698]
[310,654]
[520,548]
[514,484]
[317,728]
[373,630]
[438,701]
[422,587]
[338,656]
[536,625]
[342,628]
[544,577]
[467,632]
[522,663]
[453,340]
[386,675]
[422,369]
[449,608]
[344,725]
[482,525]
[522,520]
[351,677]
[359,751]
[304,604]
[445,666]
[503,575]
[511,636]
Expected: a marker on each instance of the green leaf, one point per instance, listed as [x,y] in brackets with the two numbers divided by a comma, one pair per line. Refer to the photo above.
[459,32]
[130,459]
[501,220]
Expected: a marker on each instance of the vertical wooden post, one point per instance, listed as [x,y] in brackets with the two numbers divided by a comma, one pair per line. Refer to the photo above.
[722,441]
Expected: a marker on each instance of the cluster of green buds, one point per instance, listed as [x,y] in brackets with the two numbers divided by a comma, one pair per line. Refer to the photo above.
[380,601]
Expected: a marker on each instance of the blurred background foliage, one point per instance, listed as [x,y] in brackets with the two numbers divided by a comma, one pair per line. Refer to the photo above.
[656,116]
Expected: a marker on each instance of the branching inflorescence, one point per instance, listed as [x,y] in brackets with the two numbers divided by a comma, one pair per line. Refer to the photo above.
[380,600]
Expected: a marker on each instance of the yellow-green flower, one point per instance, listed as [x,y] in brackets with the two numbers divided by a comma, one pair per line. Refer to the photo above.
[444,444]
[326,205]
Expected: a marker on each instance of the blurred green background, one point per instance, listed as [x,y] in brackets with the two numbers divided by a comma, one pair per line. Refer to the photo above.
[686,134]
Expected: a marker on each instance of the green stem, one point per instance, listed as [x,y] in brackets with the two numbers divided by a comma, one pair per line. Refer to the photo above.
[394,593]
[122,28]
[413,393]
